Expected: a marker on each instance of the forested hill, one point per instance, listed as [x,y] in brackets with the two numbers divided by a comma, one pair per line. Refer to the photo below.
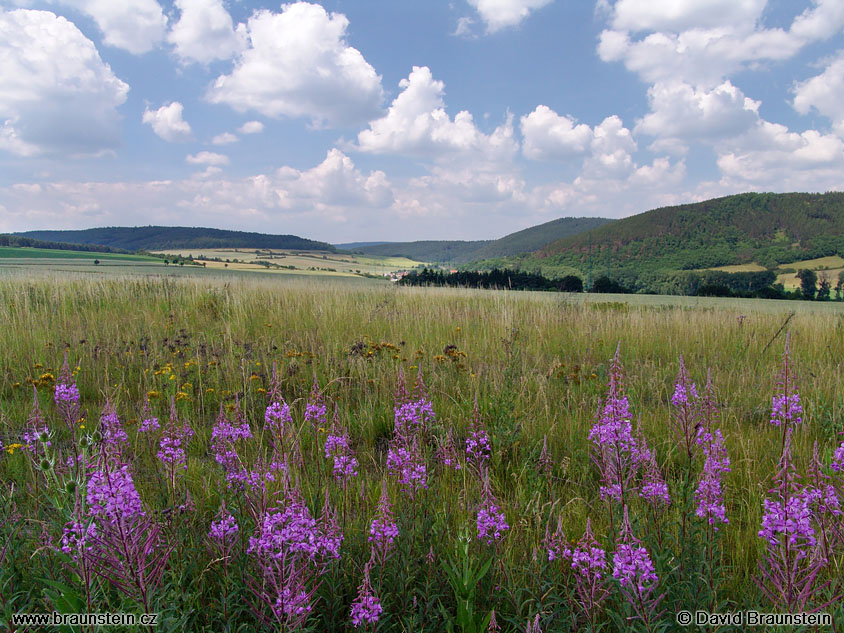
[150,238]
[458,252]
[765,228]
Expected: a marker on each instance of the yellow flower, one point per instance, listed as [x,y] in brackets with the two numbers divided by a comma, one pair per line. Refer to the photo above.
[15,385]
[209,390]
[38,365]
[172,377]
[81,426]
[10,449]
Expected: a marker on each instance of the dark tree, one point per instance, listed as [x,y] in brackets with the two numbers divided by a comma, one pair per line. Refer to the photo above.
[839,287]
[96,262]
[808,279]
[606,285]
[824,287]
[570,283]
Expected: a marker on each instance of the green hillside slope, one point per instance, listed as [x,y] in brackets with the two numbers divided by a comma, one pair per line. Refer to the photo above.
[169,237]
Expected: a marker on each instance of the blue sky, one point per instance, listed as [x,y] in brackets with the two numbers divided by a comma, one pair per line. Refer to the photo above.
[397,120]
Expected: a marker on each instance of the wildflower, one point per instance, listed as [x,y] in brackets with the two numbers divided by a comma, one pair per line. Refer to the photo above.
[447,452]
[407,463]
[77,537]
[289,529]
[555,544]
[383,529]
[838,459]
[617,452]
[337,448]
[478,448]
[112,494]
[329,533]
[491,522]
[635,571]
[174,440]
[223,529]
[588,558]
[366,609]
[785,407]
[111,428]
[709,494]
[315,410]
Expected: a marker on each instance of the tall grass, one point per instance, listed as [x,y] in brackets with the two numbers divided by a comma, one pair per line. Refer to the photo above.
[538,364]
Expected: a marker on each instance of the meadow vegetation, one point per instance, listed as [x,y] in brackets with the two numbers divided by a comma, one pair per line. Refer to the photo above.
[335,456]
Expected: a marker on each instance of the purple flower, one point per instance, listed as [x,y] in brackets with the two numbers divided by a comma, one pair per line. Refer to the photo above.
[366,609]
[330,535]
[111,428]
[632,565]
[491,522]
[224,434]
[148,425]
[290,529]
[408,465]
[315,410]
[555,544]
[294,602]
[337,448]
[709,495]
[223,529]
[838,459]
[112,494]
[785,406]
[383,529]
[478,448]
[76,537]
[174,440]
[277,417]
[66,393]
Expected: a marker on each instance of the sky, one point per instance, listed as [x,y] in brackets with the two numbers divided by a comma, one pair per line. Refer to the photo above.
[367,120]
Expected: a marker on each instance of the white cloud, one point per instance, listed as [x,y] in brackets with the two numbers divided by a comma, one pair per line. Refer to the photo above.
[611,149]
[251,127]
[167,122]
[56,93]
[417,124]
[499,14]
[225,138]
[548,135]
[207,158]
[772,157]
[205,33]
[684,113]
[680,15]
[298,64]
[137,26]
[307,202]
[703,42]
[824,93]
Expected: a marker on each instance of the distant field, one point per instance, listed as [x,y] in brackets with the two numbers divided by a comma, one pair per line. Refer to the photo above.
[302,260]
[740,268]
[833,261]
[14,252]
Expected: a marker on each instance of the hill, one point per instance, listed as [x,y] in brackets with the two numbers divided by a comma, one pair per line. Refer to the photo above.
[458,252]
[168,237]
[17,242]
[766,228]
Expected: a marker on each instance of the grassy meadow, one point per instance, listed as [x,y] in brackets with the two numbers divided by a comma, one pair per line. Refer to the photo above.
[539,366]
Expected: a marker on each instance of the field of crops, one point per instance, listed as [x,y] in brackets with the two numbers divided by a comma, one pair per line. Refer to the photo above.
[241,453]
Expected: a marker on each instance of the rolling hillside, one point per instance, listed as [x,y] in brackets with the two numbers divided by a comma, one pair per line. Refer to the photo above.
[170,237]
[763,228]
[457,252]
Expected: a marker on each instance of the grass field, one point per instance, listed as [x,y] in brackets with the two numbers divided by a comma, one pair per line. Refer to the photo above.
[302,260]
[13,252]
[538,363]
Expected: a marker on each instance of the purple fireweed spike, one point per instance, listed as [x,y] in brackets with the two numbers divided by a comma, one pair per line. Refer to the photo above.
[589,564]
[66,396]
[491,522]
[615,449]
[555,544]
[111,429]
[493,626]
[383,530]
[786,409]
[546,464]
[635,572]
[330,535]
[149,422]
[316,413]
[792,562]
[338,450]
[401,396]
[709,494]
[478,447]
[685,413]
[366,609]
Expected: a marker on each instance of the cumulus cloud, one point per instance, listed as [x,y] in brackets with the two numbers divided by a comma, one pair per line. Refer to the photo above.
[226,138]
[417,124]
[167,122]
[703,42]
[251,127]
[684,113]
[500,14]
[298,64]
[548,135]
[824,93]
[56,93]
[137,26]
[207,158]
[286,200]
[205,32]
